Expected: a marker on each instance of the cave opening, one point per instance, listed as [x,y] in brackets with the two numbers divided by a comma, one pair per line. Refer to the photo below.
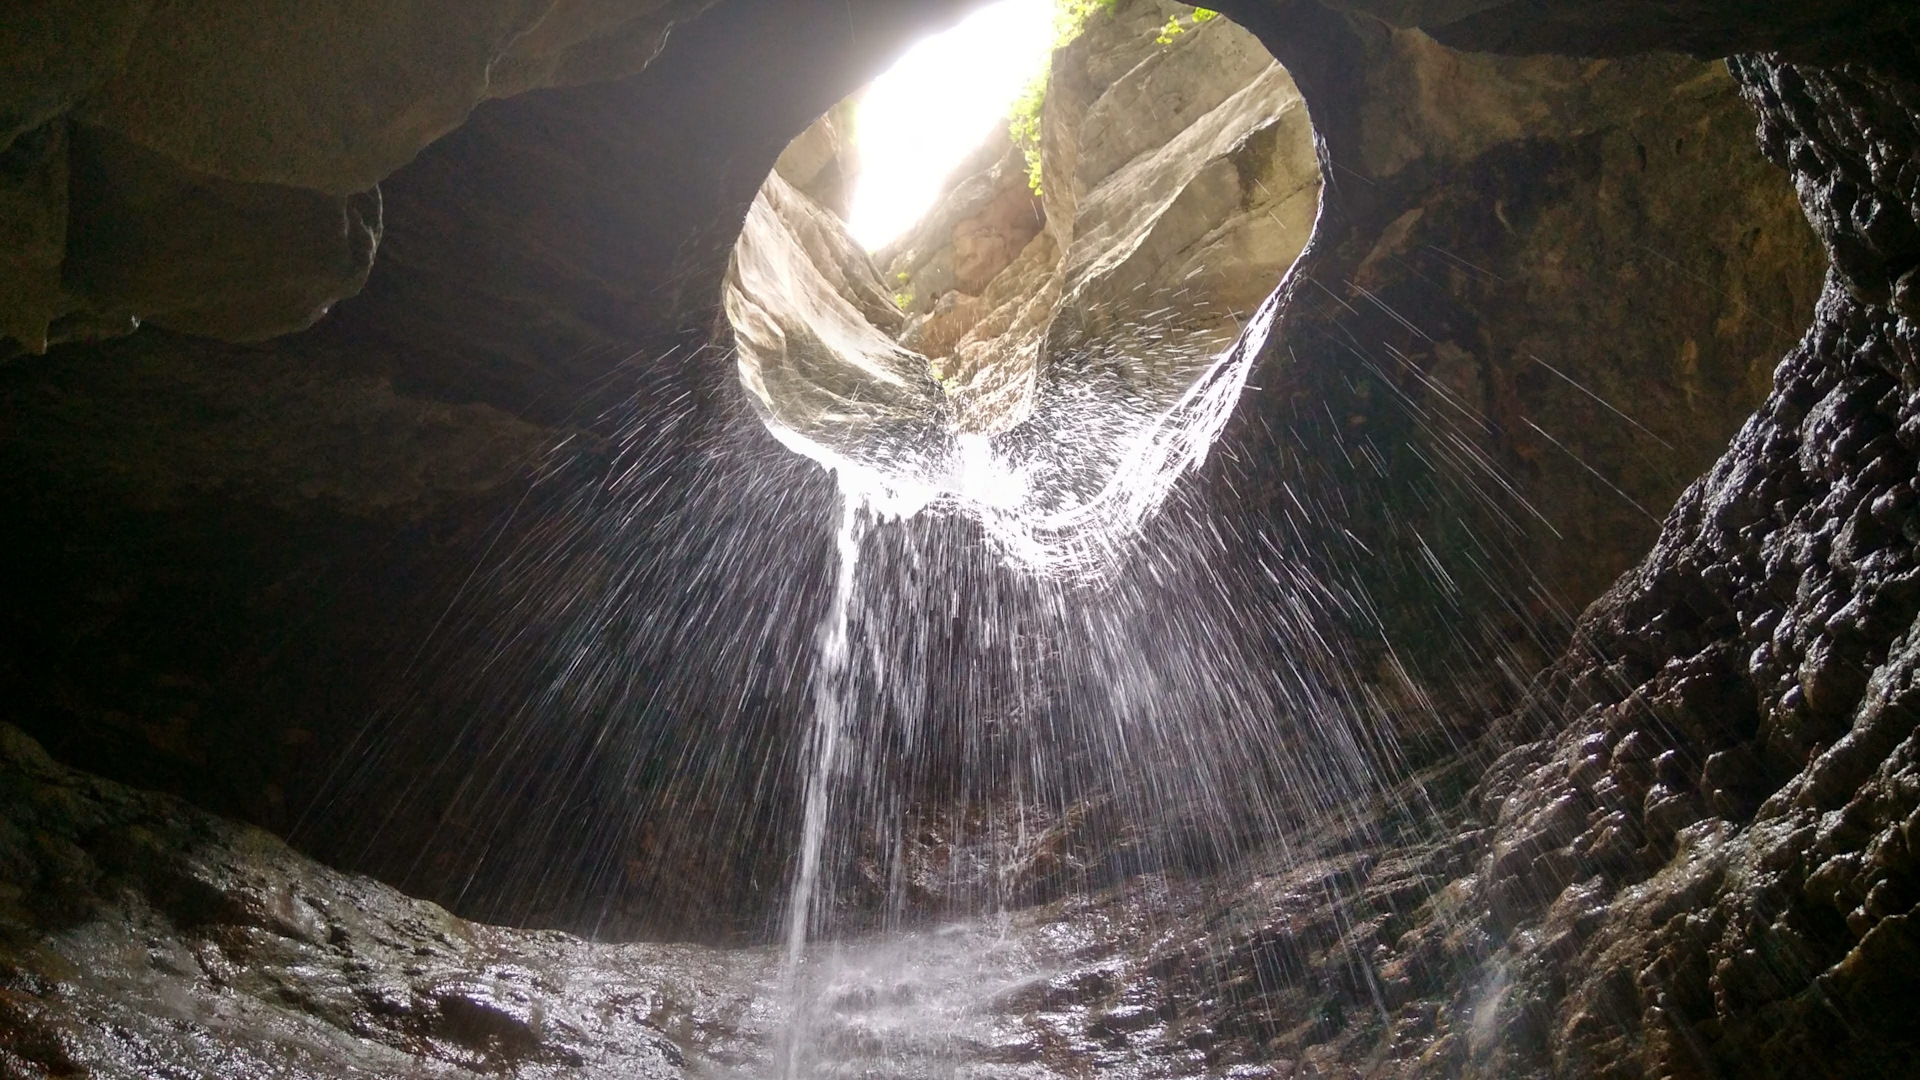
[1064,327]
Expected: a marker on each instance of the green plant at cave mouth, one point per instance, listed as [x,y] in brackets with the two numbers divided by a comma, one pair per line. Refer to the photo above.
[1174,28]
[1070,19]
[1023,124]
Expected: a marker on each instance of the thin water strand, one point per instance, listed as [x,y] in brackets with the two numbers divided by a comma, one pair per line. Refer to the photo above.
[832,700]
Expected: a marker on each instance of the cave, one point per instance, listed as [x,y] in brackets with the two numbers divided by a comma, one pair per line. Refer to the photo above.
[1351,539]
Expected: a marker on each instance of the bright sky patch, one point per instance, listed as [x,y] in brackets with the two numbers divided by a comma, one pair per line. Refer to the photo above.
[923,115]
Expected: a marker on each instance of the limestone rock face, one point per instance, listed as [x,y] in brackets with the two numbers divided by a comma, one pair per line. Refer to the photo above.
[814,327]
[996,171]
[1186,237]
[1181,185]
[823,162]
[987,242]
[1622,193]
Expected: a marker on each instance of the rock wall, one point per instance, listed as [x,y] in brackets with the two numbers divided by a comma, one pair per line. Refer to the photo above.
[1494,462]
[1178,186]
[212,167]
[1690,855]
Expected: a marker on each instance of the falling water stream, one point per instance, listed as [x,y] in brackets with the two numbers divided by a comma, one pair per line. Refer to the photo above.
[1053,520]
[1124,648]
[832,700]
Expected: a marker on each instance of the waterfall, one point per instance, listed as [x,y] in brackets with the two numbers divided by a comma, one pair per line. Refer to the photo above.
[833,700]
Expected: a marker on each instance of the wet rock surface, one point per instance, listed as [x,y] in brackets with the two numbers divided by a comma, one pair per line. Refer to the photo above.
[141,938]
[1693,861]
[1723,792]
[1442,359]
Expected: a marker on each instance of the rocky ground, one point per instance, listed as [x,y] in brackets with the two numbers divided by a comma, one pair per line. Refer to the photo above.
[142,938]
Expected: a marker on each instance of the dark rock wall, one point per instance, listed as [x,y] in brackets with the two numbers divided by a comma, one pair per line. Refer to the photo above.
[1741,743]
[1690,856]
[212,167]
[140,937]
[1542,294]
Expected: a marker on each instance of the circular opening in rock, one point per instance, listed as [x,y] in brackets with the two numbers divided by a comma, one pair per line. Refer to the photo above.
[1065,330]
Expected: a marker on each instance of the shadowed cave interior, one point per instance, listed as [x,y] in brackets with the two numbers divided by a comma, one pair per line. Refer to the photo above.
[1353,539]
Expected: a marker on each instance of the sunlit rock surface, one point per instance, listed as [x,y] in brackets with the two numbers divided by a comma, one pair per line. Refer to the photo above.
[1179,185]
[820,357]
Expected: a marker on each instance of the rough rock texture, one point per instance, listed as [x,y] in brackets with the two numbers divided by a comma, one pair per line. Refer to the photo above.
[994,175]
[1443,382]
[1178,187]
[1181,187]
[1737,759]
[1696,860]
[139,938]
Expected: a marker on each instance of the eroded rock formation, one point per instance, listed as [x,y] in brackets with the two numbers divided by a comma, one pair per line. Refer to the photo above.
[1180,184]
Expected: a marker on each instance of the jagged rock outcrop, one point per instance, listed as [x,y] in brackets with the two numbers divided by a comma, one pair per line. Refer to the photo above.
[1179,184]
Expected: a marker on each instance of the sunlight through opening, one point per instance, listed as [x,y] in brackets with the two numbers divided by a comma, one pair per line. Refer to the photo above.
[920,118]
